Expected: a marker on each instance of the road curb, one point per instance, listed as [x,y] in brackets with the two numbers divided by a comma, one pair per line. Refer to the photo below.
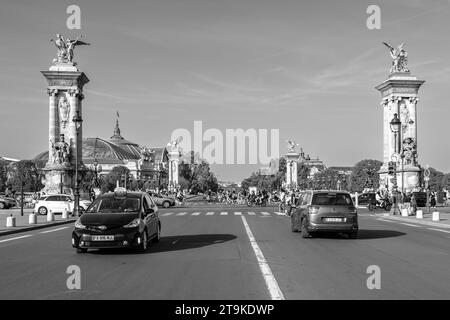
[36,227]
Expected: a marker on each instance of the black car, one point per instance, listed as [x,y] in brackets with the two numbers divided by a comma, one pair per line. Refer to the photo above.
[7,202]
[118,219]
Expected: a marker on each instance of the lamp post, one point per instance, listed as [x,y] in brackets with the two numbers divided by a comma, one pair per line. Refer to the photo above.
[96,169]
[396,125]
[290,173]
[77,121]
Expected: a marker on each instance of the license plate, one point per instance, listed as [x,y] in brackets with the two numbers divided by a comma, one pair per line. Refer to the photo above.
[334,219]
[102,238]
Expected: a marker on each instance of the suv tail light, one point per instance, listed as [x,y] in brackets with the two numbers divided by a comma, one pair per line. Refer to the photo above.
[313,210]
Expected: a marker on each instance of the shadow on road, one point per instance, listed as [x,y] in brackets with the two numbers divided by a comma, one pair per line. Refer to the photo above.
[183,242]
[364,234]
[174,243]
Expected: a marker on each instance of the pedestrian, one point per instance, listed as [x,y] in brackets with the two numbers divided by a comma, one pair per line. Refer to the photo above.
[433,200]
[413,204]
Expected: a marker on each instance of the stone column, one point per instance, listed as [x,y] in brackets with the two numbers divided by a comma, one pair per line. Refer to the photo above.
[399,95]
[291,169]
[53,122]
[174,159]
[75,97]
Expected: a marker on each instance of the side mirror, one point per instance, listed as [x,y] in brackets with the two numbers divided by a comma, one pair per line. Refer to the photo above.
[149,211]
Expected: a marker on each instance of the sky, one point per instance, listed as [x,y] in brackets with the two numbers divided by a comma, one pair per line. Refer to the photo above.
[307,68]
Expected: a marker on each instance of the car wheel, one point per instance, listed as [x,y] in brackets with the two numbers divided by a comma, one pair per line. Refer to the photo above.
[158,234]
[42,211]
[304,230]
[353,235]
[144,242]
[81,250]
[2,205]
[166,204]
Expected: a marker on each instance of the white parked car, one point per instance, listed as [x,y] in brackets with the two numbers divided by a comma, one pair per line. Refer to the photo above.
[57,203]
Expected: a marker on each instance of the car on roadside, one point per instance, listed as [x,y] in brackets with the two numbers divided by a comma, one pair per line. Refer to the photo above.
[324,211]
[58,203]
[119,219]
[7,202]
[161,200]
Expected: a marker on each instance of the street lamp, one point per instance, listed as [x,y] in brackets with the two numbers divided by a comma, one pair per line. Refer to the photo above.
[395,128]
[77,121]
[96,169]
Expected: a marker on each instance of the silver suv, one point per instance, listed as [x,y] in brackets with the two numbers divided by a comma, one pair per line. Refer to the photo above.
[325,211]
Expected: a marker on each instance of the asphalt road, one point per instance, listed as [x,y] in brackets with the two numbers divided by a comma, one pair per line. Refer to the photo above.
[204,254]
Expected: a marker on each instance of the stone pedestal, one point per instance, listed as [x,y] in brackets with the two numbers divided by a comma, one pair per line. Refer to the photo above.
[400,96]
[291,169]
[174,160]
[65,90]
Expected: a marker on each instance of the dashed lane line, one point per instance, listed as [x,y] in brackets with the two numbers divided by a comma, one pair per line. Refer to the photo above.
[210,213]
[53,230]
[271,282]
[16,238]
[237,213]
[195,214]
[251,213]
[167,214]
[265,213]
[182,214]
[224,213]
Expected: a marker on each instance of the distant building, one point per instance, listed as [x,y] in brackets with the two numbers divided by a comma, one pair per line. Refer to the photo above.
[315,165]
[143,163]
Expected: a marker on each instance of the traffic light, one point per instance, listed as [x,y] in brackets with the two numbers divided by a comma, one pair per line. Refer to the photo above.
[391,167]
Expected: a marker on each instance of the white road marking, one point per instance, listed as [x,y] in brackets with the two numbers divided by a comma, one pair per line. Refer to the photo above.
[236,213]
[48,231]
[265,213]
[439,230]
[280,213]
[182,214]
[195,214]
[386,220]
[16,238]
[271,282]
[408,224]
[224,213]
[167,214]
[251,213]
[210,213]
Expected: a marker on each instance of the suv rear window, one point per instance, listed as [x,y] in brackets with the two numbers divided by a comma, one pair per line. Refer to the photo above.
[332,199]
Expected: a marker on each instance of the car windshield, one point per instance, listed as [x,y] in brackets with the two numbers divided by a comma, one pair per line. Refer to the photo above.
[332,199]
[115,205]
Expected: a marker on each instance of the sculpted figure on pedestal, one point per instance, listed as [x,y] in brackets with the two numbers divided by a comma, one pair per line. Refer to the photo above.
[292,145]
[61,151]
[64,110]
[399,58]
[65,48]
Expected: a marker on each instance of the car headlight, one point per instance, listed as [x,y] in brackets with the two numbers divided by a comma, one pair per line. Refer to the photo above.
[79,225]
[133,224]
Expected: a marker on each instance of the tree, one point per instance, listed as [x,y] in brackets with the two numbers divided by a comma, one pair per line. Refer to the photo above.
[109,182]
[364,174]
[203,179]
[24,173]
[437,179]
[3,174]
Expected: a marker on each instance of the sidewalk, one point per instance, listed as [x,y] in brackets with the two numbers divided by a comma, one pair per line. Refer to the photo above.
[444,221]
[22,221]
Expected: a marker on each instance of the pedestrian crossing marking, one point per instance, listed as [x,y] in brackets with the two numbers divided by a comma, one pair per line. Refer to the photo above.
[251,213]
[265,213]
[238,213]
[224,213]
[195,213]
[210,213]
[280,213]
[182,214]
